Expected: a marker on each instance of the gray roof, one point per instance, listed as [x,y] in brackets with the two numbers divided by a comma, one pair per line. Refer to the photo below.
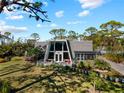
[75,45]
[40,44]
[81,45]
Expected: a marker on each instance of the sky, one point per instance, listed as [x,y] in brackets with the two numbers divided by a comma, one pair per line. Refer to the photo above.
[76,15]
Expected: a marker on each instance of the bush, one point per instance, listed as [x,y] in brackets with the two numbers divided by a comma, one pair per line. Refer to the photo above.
[101,65]
[34,54]
[115,57]
[81,65]
[33,51]
[2,60]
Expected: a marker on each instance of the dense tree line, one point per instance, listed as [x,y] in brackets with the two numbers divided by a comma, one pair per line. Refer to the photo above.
[10,47]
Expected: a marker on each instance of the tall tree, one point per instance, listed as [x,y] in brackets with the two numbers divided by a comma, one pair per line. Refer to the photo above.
[113,33]
[7,37]
[35,36]
[58,33]
[91,31]
[62,33]
[7,34]
[54,33]
[91,35]
[72,35]
[82,36]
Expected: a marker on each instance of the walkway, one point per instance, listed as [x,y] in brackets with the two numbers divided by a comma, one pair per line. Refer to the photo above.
[117,66]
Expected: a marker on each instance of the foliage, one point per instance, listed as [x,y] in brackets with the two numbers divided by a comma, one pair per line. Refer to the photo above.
[58,33]
[101,65]
[33,51]
[35,36]
[84,65]
[81,65]
[119,58]
[14,49]
[20,48]
[34,9]
[108,37]
[4,87]
[72,35]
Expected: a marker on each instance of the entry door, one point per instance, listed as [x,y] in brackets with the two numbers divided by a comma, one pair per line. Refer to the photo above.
[58,57]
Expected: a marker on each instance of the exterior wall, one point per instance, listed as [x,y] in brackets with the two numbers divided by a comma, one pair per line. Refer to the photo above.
[85,55]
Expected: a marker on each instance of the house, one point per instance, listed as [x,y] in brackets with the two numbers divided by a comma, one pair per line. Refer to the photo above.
[66,51]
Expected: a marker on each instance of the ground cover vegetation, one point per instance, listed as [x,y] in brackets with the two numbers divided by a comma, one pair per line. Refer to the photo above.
[22,77]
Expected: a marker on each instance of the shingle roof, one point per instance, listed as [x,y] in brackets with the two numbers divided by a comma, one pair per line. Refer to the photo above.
[81,46]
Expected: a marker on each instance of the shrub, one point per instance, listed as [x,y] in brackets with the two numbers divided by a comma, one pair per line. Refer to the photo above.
[99,64]
[33,51]
[81,65]
[34,54]
[115,57]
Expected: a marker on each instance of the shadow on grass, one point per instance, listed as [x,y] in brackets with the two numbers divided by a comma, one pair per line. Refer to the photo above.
[15,71]
[10,66]
[30,84]
[51,85]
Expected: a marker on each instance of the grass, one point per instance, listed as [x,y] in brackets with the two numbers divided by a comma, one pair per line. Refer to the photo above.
[12,63]
[27,78]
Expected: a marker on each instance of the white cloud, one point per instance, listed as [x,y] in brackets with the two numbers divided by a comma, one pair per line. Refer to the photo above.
[2,23]
[84,13]
[45,3]
[74,22]
[53,25]
[10,28]
[14,17]
[90,4]
[47,26]
[39,25]
[59,13]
